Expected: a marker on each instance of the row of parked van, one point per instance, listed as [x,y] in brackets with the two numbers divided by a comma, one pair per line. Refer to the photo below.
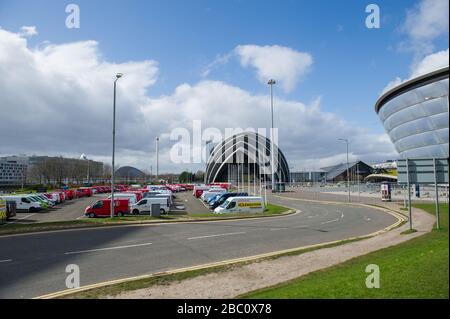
[133,201]
[221,200]
[35,202]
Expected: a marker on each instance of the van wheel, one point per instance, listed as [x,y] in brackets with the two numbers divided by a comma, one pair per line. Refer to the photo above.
[91,215]
[162,211]
[32,210]
[135,212]
[120,214]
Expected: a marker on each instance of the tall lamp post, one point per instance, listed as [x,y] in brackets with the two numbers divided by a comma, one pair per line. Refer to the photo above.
[348,175]
[118,76]
[271,83]
[157,158]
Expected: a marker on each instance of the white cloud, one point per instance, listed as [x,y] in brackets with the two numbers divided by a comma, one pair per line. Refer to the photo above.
[428,64]
[57,99]
[283,64]
[28,31]
[307,134]
[428,20]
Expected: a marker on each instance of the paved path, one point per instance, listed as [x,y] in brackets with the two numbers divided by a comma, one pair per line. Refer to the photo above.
[34,264]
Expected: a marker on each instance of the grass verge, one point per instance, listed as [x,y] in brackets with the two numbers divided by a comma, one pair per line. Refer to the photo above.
[418,268]
[270,210]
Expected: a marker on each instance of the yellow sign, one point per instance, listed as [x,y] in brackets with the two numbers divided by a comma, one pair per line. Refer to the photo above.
[2,210]
[250,204]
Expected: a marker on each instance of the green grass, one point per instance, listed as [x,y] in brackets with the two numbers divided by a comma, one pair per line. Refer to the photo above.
[418,268]
[269,210]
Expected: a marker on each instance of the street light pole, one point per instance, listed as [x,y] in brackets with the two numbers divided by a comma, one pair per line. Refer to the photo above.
[157,158]
[271,83]
[348,176]
[118,76]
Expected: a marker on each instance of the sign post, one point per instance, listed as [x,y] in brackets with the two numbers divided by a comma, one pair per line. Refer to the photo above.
[437,193]
[409,194]
[423,171]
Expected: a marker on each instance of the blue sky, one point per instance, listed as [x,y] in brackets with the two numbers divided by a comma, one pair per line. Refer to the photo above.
[351,64]
[184,36]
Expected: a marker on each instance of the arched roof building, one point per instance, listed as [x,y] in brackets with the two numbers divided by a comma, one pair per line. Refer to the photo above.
[245,156]
[415,115]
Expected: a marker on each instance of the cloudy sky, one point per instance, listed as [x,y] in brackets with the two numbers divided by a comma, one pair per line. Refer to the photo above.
[208,61]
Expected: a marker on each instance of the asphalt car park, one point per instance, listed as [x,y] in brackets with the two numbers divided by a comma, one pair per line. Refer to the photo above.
[69,210]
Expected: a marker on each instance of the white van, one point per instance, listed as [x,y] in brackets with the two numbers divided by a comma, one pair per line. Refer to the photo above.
[212,192]
[145,205]
[132,197]
[241,205]
[24,203]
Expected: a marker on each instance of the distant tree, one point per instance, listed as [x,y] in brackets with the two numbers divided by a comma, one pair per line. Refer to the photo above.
[185,177]
[199,176]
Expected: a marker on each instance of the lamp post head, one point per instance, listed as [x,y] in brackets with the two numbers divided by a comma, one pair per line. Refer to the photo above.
[119,75]
[271,82]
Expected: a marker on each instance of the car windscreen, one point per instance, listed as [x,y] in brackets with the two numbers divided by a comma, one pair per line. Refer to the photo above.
[225,204]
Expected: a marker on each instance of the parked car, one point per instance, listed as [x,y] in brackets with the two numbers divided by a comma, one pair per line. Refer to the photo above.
[212,192]
[145,205]
[87,191]
[36,199]
[69,193]
[137,193]
[23,203]
[223,197]
[46,200]
[241,205]
[130,196]
[102,208]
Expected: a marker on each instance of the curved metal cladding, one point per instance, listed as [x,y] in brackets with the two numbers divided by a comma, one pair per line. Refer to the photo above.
[415,114]
[252,151]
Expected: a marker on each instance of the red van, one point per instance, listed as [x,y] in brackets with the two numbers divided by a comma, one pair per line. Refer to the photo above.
[137,193]
[87,191]
[102,208]
[70,194]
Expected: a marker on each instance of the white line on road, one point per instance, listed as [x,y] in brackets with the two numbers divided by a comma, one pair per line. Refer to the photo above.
[5,261]
[16,220]
[103,249]
[330,221]
[218,235]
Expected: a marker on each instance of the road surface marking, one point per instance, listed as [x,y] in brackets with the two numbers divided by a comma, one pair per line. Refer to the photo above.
[20,218]
[331,221]
[5,261]
[103,249]
[218,235]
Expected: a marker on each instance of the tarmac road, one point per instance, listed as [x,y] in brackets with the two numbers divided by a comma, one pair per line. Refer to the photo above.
[35,264]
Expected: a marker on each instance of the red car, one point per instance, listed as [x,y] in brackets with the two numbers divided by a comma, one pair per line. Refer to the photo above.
[102,208]
[87,191]
[70,194]
[79,193]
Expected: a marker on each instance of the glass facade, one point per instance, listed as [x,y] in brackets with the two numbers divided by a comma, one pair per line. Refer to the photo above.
[417,120]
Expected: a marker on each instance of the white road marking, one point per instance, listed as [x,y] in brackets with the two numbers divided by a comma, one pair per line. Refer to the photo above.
[330,221]
[21,219]
[5,261]
[103,249]
[218,235]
